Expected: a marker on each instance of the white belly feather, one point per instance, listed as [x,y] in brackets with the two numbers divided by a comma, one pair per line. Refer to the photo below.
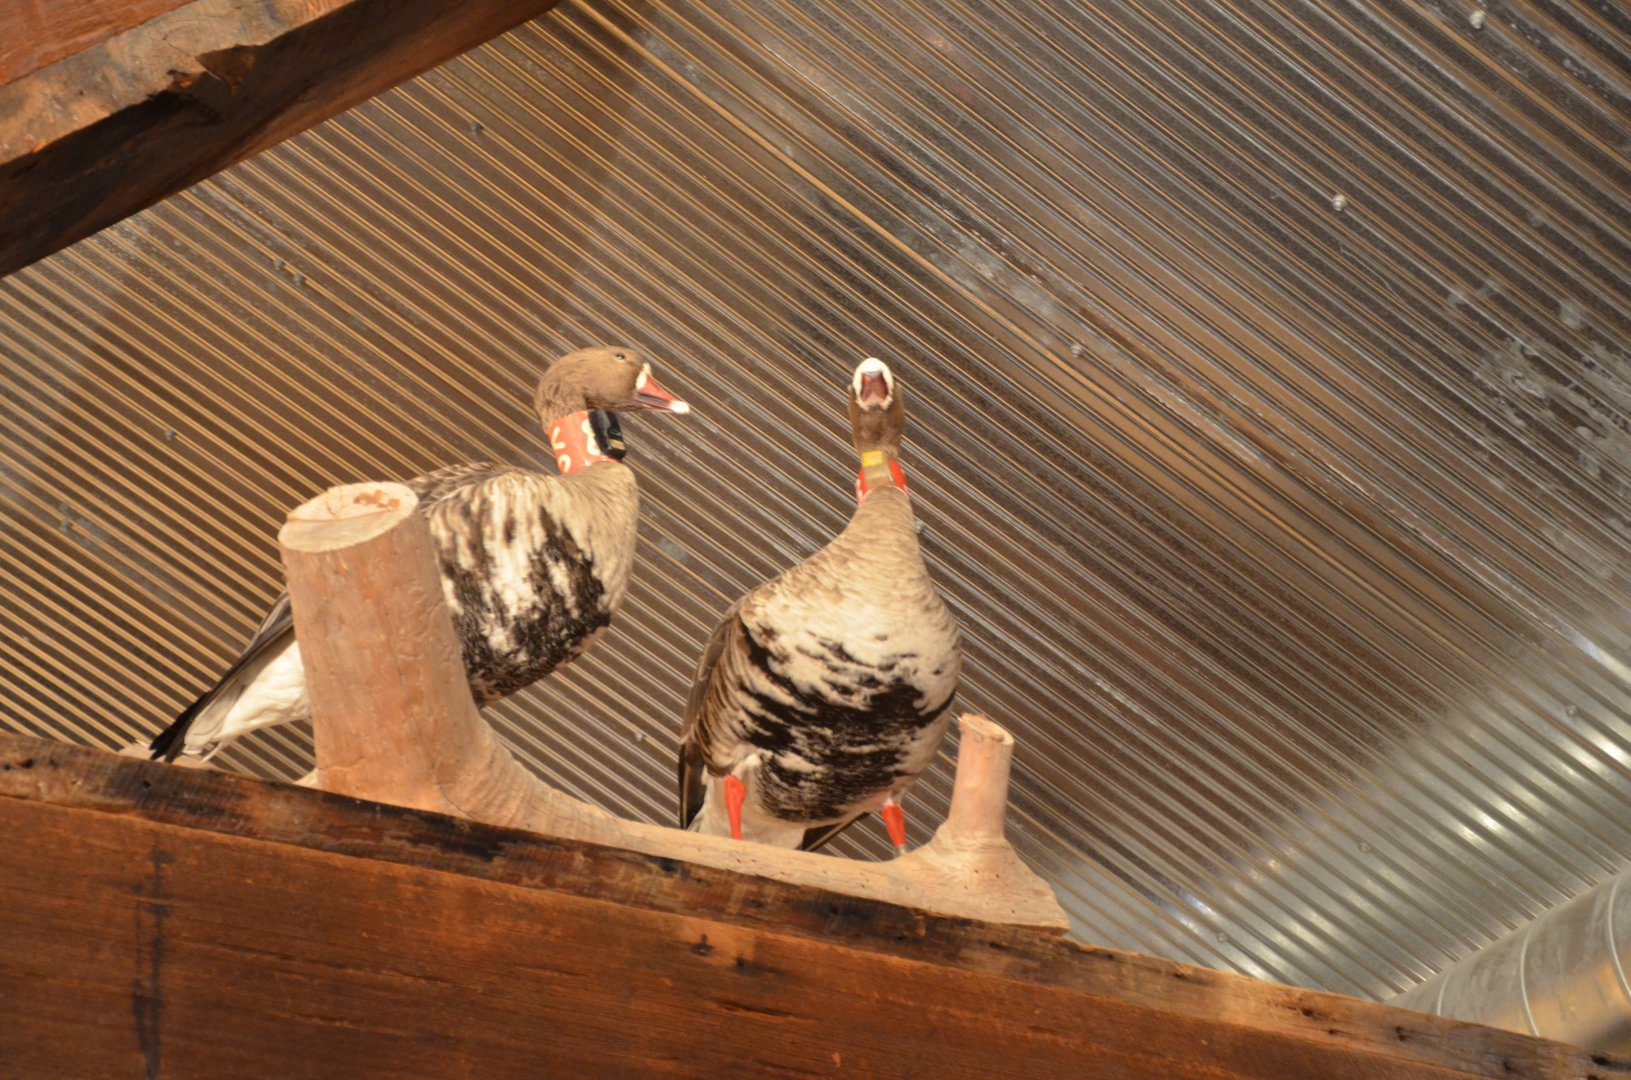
[273,692]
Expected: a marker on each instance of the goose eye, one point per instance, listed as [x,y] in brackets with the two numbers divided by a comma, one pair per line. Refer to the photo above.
[621,356]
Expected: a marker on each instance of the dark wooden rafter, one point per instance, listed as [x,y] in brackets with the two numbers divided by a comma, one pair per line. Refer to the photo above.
[102,117]
[164,921]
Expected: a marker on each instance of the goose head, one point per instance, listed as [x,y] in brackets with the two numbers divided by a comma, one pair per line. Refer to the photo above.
[877,413]
[613,377]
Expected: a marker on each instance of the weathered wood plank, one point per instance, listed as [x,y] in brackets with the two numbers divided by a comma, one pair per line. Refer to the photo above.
[34,33]
[118,125]
[163,921]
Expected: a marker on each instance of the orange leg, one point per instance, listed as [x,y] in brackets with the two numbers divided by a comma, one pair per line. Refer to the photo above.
[735,792]
[894,819]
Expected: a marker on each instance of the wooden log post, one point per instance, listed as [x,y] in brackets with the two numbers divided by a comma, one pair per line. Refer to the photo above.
[979,796]
[359,540]
[394,722]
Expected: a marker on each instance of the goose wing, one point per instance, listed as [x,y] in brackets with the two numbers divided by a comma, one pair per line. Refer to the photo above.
[439,485]
[696,734]
[815,839]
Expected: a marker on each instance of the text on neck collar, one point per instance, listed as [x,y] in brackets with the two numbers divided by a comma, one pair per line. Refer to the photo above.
[585,438]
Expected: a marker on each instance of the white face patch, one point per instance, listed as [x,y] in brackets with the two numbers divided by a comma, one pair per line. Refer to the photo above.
[873,366]
[643,378]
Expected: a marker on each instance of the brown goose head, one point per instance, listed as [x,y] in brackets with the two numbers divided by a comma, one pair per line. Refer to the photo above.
[613,377]
[877,411]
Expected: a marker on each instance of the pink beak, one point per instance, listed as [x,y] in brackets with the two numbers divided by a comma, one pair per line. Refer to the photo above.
[653,396]
[874,390]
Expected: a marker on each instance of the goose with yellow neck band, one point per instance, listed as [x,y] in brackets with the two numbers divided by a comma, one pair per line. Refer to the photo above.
[823,693]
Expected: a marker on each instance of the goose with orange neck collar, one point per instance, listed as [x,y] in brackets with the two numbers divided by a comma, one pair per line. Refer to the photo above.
[823,693]
[534,566]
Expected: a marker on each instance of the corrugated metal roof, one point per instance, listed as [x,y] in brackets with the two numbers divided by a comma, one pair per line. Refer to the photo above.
[1270,395]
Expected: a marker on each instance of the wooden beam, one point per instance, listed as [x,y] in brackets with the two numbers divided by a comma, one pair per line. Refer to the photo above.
[156,105]
[34,33]
[162,921]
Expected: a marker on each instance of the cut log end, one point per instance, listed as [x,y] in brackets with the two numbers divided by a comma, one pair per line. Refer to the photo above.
[975,726]
[346,515]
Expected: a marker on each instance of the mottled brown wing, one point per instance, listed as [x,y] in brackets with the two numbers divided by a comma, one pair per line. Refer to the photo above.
[278,626]
[439,484]
[694,735]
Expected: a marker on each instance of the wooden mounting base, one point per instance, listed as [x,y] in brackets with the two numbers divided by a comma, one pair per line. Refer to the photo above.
[394,722]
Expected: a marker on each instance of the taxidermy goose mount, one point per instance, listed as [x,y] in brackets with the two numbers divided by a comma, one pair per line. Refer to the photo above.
[823,693]
[534,566]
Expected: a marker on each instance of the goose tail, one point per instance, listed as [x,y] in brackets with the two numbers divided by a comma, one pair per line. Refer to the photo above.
[275,635]
[168,744]
[171,743]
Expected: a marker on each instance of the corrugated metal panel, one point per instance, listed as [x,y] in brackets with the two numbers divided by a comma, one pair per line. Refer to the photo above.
[1271,393]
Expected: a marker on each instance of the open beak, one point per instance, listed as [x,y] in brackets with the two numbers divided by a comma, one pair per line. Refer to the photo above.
[873,392]
[649,394]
